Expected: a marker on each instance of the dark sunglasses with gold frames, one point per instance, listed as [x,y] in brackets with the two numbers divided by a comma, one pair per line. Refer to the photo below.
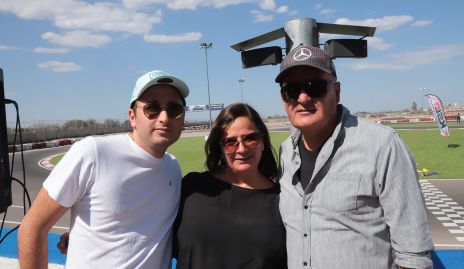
[152,109]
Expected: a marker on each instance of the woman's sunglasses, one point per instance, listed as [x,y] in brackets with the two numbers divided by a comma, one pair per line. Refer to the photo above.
[231,144]
[153,109]
[315,88]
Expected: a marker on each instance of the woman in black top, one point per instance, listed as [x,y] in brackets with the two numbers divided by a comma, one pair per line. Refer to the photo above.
[229,216]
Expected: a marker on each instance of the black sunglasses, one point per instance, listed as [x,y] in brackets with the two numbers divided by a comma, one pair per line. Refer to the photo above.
[315,88]
[231,144]
[153,109]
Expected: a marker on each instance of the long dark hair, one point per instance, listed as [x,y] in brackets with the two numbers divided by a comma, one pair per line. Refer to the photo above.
[214,154]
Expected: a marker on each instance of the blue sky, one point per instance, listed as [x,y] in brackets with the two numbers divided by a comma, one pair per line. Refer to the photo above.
[71,59]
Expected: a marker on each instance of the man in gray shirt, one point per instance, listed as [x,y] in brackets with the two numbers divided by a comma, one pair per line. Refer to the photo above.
[350,195]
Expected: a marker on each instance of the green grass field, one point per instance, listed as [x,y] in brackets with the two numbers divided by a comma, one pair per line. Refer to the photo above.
[190,151]
[432,152]
[428,146]
[431,125]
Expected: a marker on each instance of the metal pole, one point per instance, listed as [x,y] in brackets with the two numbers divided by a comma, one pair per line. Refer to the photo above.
[206,47]
[422,98]
[241,80]
[5,180]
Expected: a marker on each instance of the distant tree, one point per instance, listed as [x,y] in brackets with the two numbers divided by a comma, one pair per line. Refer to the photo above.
[75,125]
[110,123]
[414,106]
[46,126]
[126,125]
[91,123]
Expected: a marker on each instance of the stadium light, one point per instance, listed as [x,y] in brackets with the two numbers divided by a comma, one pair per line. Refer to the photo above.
[206,47]
[241,80]
[304,31]
[422,97]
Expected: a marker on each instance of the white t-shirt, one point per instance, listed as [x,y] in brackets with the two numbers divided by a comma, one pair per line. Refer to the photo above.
[123,203]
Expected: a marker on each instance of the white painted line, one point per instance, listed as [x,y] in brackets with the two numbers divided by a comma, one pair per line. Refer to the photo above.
[443,218]
[450,224]
[438,213]
[14,264]
[459,221]
[454,215]
[433,208]
[457,231]
[450,245]
[460,239]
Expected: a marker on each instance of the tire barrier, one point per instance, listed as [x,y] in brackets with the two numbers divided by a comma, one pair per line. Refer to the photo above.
[42,145]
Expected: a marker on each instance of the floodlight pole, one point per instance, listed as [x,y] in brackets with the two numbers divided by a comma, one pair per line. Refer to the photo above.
[422,98]
[241,80]
[206,47]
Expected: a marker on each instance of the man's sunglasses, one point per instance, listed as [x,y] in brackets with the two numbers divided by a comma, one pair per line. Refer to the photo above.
[315,88]
[231,144]
[153,109]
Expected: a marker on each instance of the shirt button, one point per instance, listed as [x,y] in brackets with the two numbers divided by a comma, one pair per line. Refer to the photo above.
[305,235]
[305,207]
[305,263]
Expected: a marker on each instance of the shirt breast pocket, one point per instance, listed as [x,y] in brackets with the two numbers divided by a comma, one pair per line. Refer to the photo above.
[338,192]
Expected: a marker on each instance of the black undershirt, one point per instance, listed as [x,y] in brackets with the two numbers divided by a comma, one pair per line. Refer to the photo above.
[220,225]
[308,162]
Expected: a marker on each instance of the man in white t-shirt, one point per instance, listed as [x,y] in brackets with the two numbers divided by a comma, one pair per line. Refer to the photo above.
[123,190]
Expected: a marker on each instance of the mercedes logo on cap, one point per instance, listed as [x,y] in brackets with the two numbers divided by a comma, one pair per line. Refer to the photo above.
[302,54]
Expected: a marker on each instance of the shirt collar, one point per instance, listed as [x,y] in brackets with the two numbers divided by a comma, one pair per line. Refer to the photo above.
[345,114]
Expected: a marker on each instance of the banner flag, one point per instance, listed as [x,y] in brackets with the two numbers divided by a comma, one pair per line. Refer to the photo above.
[438,113]
[200,108]
[197,108]
[217,106]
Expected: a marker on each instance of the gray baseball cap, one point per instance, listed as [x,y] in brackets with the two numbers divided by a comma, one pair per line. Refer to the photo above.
[306,56]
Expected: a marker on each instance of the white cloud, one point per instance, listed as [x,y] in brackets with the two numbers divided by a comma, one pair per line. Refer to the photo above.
[282,9]
[419,23]
[267,5]
[383,24]
[323,11]
[327,11]
[411,59]
[77,39]
[51,50]
[293,13]
[183,4]
[136,4]
[5,47]
[377,43]
[188,37]
[260,16]
[80,15]
[56,66]
[372,42]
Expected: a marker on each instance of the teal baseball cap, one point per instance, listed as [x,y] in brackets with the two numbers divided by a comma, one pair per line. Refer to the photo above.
[157,77]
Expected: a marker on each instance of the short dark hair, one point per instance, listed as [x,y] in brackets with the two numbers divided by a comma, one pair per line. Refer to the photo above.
[215,160]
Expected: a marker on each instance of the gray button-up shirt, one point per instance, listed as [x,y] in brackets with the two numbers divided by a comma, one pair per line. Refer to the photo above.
[363,207]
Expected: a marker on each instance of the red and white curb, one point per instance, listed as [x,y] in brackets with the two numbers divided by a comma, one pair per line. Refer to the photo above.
[46,164]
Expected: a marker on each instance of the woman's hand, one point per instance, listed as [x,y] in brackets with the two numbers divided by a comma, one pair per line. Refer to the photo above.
[63,244]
